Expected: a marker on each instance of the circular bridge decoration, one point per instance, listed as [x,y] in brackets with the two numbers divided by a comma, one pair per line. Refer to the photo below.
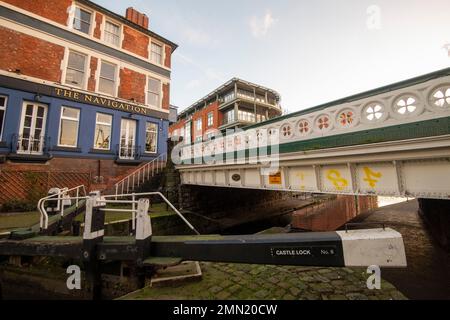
[374,112]
[286,131]
[346,118]
[441,97]
[323,123]
[406,106]
[304,127]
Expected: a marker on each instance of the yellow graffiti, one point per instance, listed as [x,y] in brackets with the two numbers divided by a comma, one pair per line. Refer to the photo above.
[336,178]
[301,176]
[372,178]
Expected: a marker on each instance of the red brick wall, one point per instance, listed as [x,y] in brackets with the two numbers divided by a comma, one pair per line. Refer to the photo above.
[203,114]
[166,96]
[132,85]
[333,214]
[168,59]
[91,80]
[32,56]
[177,126]
[55,10]
[58,172]
[135,42]
[98,25]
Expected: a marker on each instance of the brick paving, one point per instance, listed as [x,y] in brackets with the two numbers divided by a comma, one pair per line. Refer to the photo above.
[222,281]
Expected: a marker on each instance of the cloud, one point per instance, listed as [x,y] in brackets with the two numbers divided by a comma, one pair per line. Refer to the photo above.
[260,26]
[209,73]
[195,36]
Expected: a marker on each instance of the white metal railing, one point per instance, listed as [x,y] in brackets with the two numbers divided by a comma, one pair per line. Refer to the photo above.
[141,175]
[59,197]
[134,202]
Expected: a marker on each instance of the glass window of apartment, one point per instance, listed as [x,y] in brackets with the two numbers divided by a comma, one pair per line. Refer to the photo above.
[107,80]
[199,124]
[230,116]
[68,127]
[82,20]
[102,138]
[210,119]
[112,33]
[3,101]
[76,69]
[154,92]
[187,133]
[156,53]
[151,137]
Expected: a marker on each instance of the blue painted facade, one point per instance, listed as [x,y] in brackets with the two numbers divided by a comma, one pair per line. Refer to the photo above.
[86,132]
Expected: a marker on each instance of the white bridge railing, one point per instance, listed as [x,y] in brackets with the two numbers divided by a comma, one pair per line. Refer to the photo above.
[141,175]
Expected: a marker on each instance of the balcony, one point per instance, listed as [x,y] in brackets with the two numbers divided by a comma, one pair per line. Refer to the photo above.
[128,154]
[28,148]
[244,95]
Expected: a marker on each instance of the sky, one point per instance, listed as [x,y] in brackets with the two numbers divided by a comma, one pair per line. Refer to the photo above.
[311,52]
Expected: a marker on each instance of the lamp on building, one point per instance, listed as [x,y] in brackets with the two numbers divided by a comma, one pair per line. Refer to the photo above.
[37,97]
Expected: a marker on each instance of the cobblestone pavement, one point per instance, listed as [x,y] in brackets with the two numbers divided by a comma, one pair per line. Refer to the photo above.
[428,273]
[222,281]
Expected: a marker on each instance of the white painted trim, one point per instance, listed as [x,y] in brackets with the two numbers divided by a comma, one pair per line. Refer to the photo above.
[104,124]
[33,121]
[157,138]
[116,78]
[59,128]
[68,28]
[4,108]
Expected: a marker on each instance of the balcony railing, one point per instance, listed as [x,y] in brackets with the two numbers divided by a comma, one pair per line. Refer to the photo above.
[249,96]
[32,145]
[128,152]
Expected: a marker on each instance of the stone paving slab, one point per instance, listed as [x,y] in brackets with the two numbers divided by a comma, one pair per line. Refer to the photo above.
[222,281]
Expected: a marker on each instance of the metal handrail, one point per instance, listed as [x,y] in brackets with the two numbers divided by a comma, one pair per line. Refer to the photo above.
[140,175]
[133,210]
[41,202]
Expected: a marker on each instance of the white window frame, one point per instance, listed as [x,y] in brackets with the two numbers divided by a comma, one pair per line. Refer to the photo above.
[4,115]
[157,136]
[147,91]
[86,69]
[162,52]
[116,78]
[208,118]
[94,147]
[91,23]
[199,123]
[62,117]
[44,121]
[120,33]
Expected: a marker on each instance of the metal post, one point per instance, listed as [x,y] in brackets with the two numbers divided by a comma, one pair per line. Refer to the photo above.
[78,194]
[133,214]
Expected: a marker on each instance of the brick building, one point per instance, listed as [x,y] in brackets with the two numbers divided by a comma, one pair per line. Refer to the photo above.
[235,104]
[82,89]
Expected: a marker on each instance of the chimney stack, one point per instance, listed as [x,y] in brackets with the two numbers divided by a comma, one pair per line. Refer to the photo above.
[137,17]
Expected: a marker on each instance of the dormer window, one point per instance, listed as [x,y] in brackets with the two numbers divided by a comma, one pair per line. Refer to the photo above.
[82,20]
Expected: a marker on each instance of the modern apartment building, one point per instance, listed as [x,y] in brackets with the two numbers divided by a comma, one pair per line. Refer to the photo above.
[82,89]
[235,104]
